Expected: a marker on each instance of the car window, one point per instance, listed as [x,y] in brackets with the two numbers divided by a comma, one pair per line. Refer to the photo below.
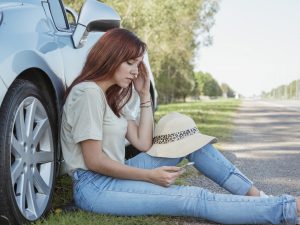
[58,14]
[72,17]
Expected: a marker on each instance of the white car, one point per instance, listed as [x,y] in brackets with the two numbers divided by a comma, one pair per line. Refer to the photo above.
[43,46]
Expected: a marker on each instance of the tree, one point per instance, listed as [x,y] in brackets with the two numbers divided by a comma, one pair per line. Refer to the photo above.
[173,83]
[227,91]
[207,85]
[284,91]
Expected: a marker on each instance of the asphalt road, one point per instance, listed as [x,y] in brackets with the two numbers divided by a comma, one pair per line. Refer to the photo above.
[265,147]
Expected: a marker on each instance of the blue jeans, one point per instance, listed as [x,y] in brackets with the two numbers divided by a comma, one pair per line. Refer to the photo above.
[98,193]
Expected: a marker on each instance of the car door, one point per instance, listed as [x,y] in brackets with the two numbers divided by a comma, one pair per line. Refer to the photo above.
[72,58]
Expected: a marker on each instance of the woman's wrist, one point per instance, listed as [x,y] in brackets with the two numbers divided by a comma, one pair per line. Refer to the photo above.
[146,104]
[148,175]
[145,97]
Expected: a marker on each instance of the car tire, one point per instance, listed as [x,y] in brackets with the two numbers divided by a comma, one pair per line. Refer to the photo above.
[28,148]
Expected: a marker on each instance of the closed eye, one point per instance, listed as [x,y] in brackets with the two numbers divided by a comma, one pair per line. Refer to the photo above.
[133,61]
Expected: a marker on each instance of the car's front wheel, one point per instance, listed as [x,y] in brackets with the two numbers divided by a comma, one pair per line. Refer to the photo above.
[27,153]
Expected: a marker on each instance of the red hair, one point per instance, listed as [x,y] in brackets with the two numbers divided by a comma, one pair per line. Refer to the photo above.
[113,48]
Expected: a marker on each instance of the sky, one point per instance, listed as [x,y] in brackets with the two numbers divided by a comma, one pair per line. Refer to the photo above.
[256,45]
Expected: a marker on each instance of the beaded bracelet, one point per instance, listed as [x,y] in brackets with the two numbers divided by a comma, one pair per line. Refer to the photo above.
[145,106]
[143,103]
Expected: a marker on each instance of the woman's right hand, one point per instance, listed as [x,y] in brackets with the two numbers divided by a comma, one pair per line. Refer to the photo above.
[165,175]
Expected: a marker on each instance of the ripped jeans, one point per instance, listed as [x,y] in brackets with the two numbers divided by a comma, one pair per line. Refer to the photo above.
[98,193]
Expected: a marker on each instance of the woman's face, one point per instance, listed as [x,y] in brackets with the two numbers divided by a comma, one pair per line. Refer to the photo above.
[127,72]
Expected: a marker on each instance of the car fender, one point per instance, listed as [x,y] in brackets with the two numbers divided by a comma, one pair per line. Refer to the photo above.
[19,63]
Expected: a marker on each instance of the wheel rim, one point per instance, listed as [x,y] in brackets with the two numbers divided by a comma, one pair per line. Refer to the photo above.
[32,158]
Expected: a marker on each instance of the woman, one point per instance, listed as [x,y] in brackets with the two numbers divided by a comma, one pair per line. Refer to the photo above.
[94,128]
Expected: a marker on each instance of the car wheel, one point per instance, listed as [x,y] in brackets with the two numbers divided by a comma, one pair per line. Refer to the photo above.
[27,153]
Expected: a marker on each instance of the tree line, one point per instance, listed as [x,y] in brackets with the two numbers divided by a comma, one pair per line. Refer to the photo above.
[289,91]
[173,30]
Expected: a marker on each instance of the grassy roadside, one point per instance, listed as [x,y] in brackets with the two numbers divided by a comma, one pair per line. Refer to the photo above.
[212,117]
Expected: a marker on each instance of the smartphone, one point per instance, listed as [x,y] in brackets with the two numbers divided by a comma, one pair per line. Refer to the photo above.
[189,164]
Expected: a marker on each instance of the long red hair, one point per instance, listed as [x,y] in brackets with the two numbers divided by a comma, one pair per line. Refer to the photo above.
[113,48]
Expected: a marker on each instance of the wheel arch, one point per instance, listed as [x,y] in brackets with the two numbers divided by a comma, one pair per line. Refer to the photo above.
[55,88]
[29,65]
[52,83]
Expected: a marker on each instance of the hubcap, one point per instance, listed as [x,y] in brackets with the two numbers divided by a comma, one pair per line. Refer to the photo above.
[32,158]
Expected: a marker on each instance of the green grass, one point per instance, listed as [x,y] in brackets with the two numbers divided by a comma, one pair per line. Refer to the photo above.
[85,218]
[212,117]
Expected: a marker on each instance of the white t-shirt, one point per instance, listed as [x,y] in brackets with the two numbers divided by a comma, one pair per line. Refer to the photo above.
[86,115]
